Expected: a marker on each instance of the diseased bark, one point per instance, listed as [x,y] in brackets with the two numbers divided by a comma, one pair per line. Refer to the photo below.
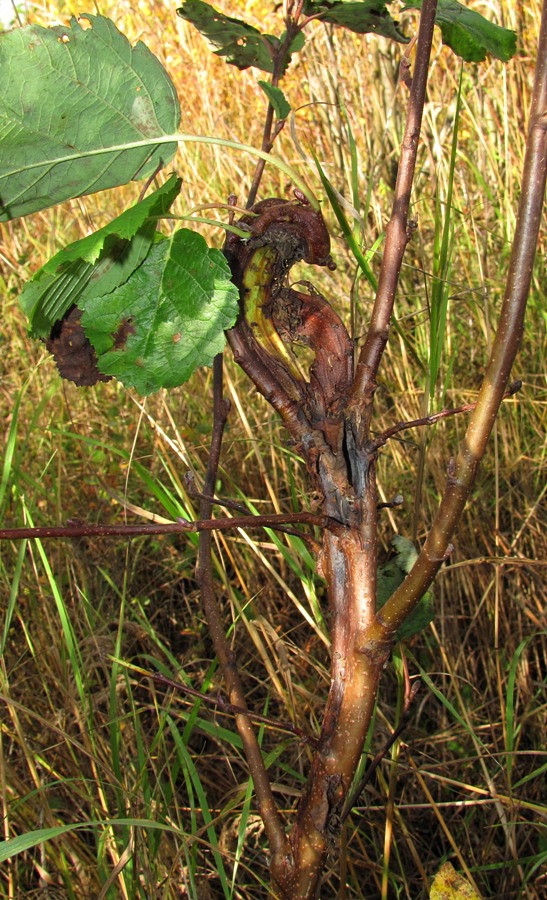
[341,462]
[350,569]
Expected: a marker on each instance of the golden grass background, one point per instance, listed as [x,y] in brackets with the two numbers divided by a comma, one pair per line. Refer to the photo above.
[85,739]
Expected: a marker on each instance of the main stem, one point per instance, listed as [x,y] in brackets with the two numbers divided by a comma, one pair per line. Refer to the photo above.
[359,648]
[356,665]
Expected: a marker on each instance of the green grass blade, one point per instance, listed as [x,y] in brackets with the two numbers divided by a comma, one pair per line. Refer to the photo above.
[443,243]
[347,231]
[192,776]
[11,441]
[30,839]
[511,730]
[12,599]
[66,625]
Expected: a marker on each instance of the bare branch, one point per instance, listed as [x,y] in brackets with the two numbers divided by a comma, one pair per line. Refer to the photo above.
[397,500]
[397,231]
[78,529]
[266,803]
[461,473]
[435,417]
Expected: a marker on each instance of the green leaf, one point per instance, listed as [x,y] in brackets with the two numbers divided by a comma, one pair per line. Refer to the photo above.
[30,839]
[391,575]
[95,265]
[243,45]
[23,842]
[277,98]
[295,45]
[469,34]
[361,17]
[168,318]
[68,92]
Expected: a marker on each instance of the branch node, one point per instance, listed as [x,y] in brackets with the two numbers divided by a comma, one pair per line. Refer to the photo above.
[440,559]
[513,388]
[377,651]
[397,500]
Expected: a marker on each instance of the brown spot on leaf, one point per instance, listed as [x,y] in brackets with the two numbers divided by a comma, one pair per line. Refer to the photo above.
[74,356]
[125,328]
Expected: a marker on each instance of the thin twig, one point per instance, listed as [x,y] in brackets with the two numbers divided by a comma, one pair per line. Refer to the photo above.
[192,491]
[266,146]
[264,794]
[88,529]
[269,135]
[434,417]
[397,500]
[149,180]
[229,709]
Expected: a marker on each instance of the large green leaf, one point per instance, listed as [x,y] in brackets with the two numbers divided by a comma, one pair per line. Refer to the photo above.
[361,17]
[172,313]
[391,575]
[95,265]
[469,34]
[243,45]
[68,92]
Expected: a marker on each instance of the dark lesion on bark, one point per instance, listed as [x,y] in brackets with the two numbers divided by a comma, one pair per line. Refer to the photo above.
[289,226]
[313,394]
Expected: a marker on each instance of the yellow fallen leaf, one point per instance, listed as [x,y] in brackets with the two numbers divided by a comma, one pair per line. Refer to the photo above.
[450,885]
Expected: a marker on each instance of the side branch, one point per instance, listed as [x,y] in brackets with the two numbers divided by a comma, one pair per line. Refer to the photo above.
[461,473]
[383,438]
[264,794]
[88,529]
[396,232]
